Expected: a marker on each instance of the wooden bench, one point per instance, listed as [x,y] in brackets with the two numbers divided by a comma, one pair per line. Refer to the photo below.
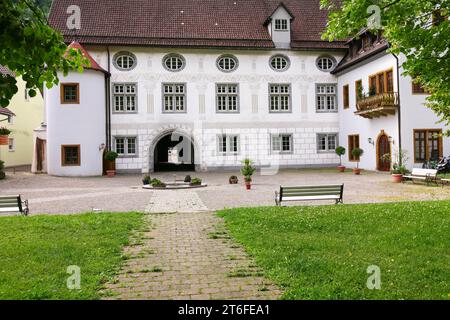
[11,204]
[310,193]
[427,175]
[445,182]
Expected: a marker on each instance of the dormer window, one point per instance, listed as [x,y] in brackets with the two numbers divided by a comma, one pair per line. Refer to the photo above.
[281,25]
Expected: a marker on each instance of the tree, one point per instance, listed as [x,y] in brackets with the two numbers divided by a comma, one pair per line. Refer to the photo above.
[418,29]
[31,49]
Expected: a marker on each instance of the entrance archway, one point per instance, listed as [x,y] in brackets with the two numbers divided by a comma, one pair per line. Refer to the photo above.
[383,148]
[174,152]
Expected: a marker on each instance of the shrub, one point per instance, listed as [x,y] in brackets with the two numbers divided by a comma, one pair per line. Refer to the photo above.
[4,132]
[146,179]
[357,152]
[248,169]
[196,181]
[157,183]
[2,165]
[340,151]
[187,178]
[2,175]
[111,155]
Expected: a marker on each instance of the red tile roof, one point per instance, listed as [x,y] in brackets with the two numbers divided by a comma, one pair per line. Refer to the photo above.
[200,23]
[94,64]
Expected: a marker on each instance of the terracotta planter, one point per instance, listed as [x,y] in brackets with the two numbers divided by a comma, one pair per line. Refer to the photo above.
[357,171]
[341,168]
[397,177]
[110,165]
[110,173]
[4,140]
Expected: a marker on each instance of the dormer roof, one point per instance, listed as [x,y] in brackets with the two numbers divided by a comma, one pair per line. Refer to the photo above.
[281,5]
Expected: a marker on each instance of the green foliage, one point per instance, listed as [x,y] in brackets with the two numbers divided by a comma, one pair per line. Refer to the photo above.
[248,169]
[323,252]
[157,183]
[146,179]
[406,25]
[196,181]
[399,158]
[357,153]
[4,131]
[111,155]
[2,165]
[248,179]
[35,252]
[187,178]
[2,175]
[340,151]
[32,50]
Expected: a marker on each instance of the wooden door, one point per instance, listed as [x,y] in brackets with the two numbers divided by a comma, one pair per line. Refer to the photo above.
[383,148]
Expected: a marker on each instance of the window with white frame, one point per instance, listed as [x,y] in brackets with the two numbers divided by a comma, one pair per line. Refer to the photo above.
[280,98]
[124,61]
[282,143]
[227,63]
[174,62]
[125,98]
[228,144]
[11,145]
[325,63]
[279,63]
[227,97]
[281,25]
[174,97]
[326,98]
[327,142]
[126,146]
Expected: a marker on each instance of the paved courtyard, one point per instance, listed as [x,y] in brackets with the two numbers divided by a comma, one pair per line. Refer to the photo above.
[56,195]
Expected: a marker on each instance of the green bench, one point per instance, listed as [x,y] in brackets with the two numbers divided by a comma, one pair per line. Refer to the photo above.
[310,193]
[13,204]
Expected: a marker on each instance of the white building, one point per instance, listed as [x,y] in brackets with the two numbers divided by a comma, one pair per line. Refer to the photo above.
[177,86]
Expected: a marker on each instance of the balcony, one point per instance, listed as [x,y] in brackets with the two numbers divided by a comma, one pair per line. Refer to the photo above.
[379,105]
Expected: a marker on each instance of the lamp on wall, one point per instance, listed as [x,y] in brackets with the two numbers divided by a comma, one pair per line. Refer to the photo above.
[102,147]
[391,140]
[370,140]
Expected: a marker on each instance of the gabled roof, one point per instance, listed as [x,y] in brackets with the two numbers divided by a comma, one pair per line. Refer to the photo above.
[94,64]
[281,5]
[190,23]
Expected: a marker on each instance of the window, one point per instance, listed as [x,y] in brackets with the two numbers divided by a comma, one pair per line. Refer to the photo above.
[427,145]
[353,143]
[125,98]
[174,62]
[282,143]
[346,97]
[227,63]
[174,98]
[279,63]
[327,142]
[325,63]
[11,145]
[70,155]
[358,90]
[227,98]
[418,89]
[70,93]
[326,98]
[281,25]
[228,144]
[126,146]
[279,98]
[382,82]
[124,61]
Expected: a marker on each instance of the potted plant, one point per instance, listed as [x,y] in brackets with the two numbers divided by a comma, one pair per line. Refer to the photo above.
[196,182]
[340,151]
[357,153]
[2,173]
[248,182]
[146,180]
[187,179]
[233,180]
[247,171]
[110,163]
[157,183]
[4,133]
[398,167]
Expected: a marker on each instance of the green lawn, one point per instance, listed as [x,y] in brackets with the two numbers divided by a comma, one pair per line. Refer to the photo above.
[36,251]
[323,252]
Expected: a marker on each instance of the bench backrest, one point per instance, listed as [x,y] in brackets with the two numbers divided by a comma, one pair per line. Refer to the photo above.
[11,202]
[424,172]
[304,191]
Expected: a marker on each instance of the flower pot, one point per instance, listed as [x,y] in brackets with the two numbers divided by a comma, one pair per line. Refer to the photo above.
[4,140]
[341,168]
[110,173]
[145,182]
[357,171]
[248,185]
[233,181]
[397,177]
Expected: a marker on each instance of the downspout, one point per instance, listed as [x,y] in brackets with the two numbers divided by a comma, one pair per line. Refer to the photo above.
[108,103]
[399,110]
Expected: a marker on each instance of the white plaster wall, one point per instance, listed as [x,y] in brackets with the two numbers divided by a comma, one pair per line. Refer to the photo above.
[415,115]
[82,124]
[366,128]
[252,123]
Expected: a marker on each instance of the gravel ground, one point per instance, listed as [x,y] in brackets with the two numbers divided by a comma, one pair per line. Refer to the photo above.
[53,195]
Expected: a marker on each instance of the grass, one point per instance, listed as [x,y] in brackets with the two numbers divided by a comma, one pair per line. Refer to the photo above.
[36,251]
[324,252]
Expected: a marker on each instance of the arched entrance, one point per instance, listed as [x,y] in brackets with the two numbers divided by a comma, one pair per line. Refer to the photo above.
[174,152]
[383,148]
